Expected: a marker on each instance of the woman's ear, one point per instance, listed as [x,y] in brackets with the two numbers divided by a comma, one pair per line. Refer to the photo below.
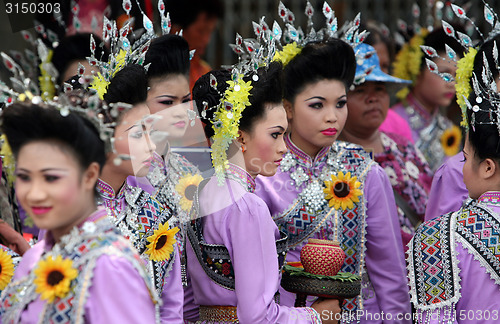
[91,175]
[288,108]
[241,137]
[488,169]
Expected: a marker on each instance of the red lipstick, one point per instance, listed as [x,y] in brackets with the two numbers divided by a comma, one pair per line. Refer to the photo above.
[329,132]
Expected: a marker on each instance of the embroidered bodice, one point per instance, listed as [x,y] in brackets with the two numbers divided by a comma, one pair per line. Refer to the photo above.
[138,215]
[409,174]
[436,266]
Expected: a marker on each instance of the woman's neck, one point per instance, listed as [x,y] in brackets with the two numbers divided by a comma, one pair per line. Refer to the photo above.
[113,178]
[235,156]
[369,141]
[420,99]
[86,211]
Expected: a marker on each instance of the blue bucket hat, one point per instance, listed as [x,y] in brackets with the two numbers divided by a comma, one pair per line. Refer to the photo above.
[368,68]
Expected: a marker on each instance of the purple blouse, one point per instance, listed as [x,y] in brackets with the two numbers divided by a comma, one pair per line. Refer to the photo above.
[448,188]
[232,215]
[384,274]
[478,285]
[117,293]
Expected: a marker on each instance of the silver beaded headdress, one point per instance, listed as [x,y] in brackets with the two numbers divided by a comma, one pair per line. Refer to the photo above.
[483,85]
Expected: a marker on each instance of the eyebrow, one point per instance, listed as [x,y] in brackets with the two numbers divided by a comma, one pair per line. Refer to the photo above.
[135,125]
[280,127]
[173,97]
[44,170]
[322,98]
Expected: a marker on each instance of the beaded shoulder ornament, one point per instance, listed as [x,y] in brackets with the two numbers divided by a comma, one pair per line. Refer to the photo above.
[259,52]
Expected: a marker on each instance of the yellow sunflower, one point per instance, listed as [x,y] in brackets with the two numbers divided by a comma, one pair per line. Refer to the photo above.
[53,277]
[161,243]
[342,191]
[187,189]
[6,269]
[451,140]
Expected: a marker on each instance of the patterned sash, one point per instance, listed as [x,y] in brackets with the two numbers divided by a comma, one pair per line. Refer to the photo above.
[215,259]
[84,251]
[433,267]
[299,223]
[148,213]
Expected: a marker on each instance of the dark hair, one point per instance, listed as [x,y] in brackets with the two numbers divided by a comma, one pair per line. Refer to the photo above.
[267,90]
[129,86]
[168,54]
[487,50]
[206,96]
[76,48]
[184,13]
[332,59]
[483,134]
[25,123]
[438,40]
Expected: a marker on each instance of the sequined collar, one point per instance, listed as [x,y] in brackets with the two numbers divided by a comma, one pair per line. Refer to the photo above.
[490,198]
[241,176]
[106,191]
[301,156]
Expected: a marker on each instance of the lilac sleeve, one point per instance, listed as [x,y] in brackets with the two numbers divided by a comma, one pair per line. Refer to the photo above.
[385,260]
[173,294]
[118,294]
[448,190]
[252,234]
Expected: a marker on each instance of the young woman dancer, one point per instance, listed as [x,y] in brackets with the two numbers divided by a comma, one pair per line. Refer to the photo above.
[146,221]
[327,189]
[409,173]
[233,224]
[83,270]
[453,272]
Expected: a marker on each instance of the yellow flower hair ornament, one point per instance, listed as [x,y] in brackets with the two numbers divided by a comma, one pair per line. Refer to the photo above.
[288,52]
[226,122]
[465,67]
[408,60]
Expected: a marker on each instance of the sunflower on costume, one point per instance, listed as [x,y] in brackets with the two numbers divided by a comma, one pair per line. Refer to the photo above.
[451,139]
[187,188]
[6,269]
[161,243]
[53,277]
[342,191]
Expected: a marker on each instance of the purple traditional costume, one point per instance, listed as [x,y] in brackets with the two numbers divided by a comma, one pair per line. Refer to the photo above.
[369,231]
[112,285]
[427,129]
[410,177]
[233,255]
[453,265]
[137,215]
[448,190]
